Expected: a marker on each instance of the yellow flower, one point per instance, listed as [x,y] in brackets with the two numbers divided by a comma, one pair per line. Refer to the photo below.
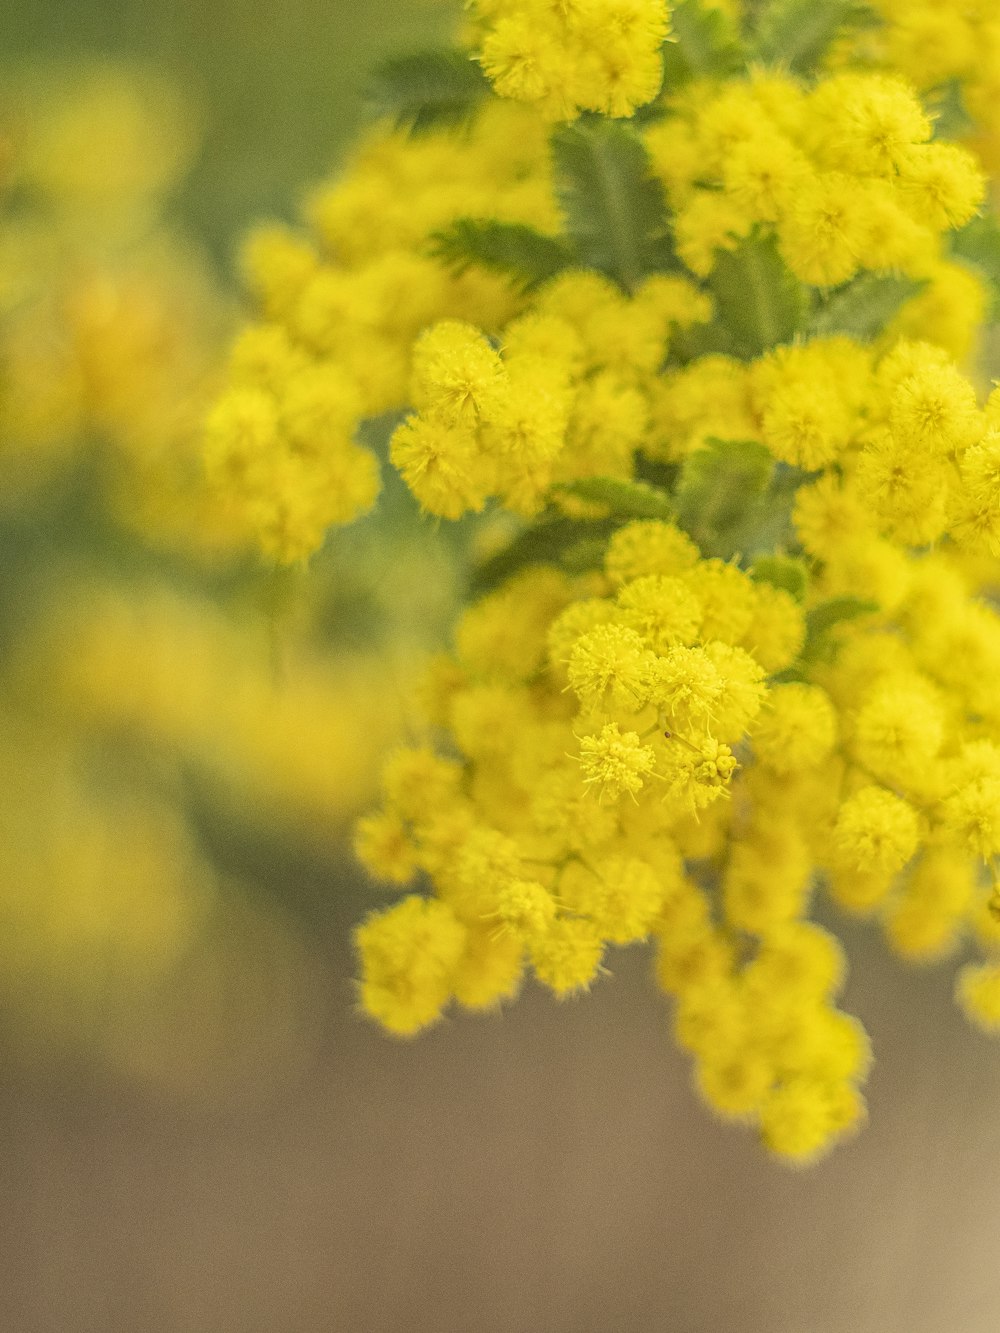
[567,57]
[876,831]
[408,955]
[567,959]
[611,666]
[616,762]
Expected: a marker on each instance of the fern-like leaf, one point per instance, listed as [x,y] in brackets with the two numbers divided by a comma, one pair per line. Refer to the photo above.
[615,211]
[978,244]
[946,105]
[722,496]
[757,299]
[786,572]
[427,89]
[862,308]
[822,620]
[798,33]
[704,44]
[621,498]
[526,256]
[553,540]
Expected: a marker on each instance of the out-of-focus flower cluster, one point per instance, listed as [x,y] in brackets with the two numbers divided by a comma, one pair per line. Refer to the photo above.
[110,320]
[158,688]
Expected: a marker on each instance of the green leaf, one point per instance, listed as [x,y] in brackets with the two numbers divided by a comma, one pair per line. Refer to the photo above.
[427,89]
[615,211]
[820,645]
[978,243]
[782,571]
[622,499]
[721,494]
[837,611]
[756,297]
[798,33]
[511,248]
[584,555]
[704,44]
[862,308]
[550,541]
[697,340]
[791,675]
[947,107]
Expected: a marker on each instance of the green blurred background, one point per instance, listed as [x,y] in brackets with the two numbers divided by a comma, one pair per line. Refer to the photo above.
[279,82]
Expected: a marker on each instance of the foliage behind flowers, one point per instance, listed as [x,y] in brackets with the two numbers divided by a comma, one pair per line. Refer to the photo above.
[692,315]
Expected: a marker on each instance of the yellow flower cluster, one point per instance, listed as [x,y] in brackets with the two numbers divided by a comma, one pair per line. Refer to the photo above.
[940,45]
[599,724]
[845,173]
[600,729]
[110,324]
[634,759]
[567,396]
[907,452]
[568,56]
[670,730]
[516,392]
[342,314]
[299,739]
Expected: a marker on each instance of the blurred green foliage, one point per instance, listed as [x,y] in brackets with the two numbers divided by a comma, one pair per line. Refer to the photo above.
[278,88]
[280,83]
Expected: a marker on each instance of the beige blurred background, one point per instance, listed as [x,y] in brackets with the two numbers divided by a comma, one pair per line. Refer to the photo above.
[547,1169]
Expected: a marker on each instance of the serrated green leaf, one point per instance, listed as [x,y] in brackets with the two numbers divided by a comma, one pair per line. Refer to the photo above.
[584,555]
[656,472]
[947,107]
[798,33]
[428,88]
[862,308]
[622,499]
[782,571]
[751,10]
[704,44]
[721,493]
[615,212]
[978,243]
[791,675]
[511,248]
[837,611]
[756,297]
[822,619]
[697,340]
[550,541]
